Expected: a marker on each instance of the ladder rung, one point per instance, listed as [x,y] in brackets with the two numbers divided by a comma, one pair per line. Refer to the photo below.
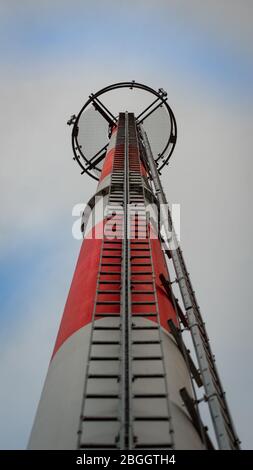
[113,232]
[139,257]
[141,249]
[104,358]
[103,376]
[111,282]
[89,445]
[145,327]
[111,223]
[138,212]
[147,358]
[149,292]
[147,342]
[112,249]
[140,206]
[100,418]
[111,273]
[137,222]
[114,210]
[148,376]
[101,395]
[150,395]
[114,207]
[151,418]
[106,328]
[141,282]
[163,445]
[109,291]
[143,302]
[139,273]
[116,199]
[105,342]
[140,243]
[111,264]
[108,302]
[106,314]
[144,314]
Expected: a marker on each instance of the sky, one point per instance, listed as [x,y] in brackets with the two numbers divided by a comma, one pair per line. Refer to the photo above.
[53,55]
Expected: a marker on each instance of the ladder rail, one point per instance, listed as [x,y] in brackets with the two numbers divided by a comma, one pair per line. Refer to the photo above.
[126,435]
[94,319]
[80,429]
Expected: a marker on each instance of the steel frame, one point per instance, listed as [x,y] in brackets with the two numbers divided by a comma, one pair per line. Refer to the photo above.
[161,98]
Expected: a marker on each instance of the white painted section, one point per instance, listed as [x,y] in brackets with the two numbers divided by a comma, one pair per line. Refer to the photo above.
[92,217]
[57,420]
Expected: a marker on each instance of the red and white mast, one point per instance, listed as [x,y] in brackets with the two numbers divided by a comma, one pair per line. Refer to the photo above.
[120,375]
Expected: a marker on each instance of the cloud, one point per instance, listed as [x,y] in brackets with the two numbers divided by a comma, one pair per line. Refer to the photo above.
[28,337]
[209,176]
[203,43]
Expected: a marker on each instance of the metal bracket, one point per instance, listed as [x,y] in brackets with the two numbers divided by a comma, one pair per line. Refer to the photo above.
[177,336]
[189,404]
[167,287]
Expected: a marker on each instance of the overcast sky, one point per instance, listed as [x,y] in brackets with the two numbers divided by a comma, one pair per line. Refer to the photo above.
[53,54]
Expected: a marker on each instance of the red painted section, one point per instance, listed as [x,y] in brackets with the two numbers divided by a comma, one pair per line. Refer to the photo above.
[79,306]
[166,308]
[108,163]
[143,170]
[80,302]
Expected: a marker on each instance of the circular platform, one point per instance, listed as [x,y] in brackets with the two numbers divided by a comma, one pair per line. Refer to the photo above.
[93,125]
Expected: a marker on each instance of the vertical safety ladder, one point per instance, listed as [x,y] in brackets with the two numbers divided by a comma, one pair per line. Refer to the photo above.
[150,399]
[226,436]
[117,405]
[100,415]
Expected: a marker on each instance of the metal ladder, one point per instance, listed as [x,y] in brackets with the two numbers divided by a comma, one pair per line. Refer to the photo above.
[130,343]
[145,341]
[103,370]
[214,394]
